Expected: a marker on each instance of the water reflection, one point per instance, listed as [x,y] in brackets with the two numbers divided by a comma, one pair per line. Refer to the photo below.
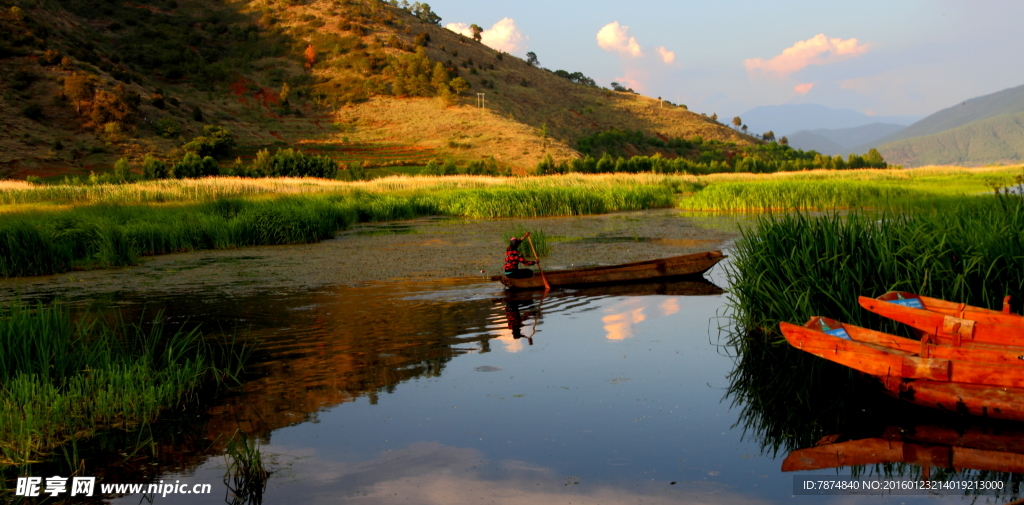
[334,346]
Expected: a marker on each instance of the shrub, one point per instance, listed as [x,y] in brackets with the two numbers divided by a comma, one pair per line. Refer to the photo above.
[153,168]
[215,141]
[122,171]
[168,127]
[192,166]
[32,111]
[292,163]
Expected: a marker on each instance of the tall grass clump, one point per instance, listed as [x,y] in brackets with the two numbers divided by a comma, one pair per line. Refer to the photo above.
[246,477]
[792,267]
[762,195]
[64,378]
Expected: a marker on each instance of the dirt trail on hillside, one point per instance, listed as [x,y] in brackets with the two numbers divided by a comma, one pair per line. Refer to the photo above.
[416,250]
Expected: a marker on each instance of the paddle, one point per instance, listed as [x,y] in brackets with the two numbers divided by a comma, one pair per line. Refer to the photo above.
[547,287]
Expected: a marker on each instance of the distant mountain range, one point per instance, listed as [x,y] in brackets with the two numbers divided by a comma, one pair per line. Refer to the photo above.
[982,130]
[841,140]
[791,118]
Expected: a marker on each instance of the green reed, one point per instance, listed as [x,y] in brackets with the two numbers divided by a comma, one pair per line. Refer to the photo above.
[792,267]
[827,194]
[64,378]
[246,476]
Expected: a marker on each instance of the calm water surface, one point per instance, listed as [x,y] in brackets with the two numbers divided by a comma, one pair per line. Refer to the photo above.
[454,393]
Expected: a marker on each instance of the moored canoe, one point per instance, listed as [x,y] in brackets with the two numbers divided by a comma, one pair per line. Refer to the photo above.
[950,323]
[834,343]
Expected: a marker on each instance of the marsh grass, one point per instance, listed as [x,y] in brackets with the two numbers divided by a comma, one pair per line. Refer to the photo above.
[65,378]
[807,195]
[795,266]
[246,476]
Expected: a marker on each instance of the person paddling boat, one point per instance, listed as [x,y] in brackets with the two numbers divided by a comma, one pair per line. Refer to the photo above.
[513,258]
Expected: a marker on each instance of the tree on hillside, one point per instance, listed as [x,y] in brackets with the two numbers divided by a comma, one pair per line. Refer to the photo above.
[768,136]
[784,141]
[714,117]
[477,32]
[531,58]
[459,85]
[736,121]
[874,159]
[744,128]
[79,87]
[422,11]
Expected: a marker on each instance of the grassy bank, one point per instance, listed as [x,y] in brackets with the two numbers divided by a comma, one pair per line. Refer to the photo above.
[827,189]
[65,378]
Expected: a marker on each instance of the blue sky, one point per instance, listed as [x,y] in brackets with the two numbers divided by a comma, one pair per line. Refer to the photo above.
[894,57]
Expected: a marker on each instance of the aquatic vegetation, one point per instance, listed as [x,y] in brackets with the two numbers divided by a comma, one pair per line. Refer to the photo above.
[246,477]
[65,378]
[805,195]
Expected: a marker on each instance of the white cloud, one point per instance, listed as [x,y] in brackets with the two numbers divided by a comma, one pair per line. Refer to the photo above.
[667,56]
[818,50]
[502,36]
[615,38]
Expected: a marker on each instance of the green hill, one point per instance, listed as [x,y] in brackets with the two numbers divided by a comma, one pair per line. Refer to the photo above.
[1007,101]
[992,140]
[87,82]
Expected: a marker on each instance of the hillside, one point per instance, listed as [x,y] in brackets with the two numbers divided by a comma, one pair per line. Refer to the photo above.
[1007,101]
[840,140]
[358,79]
[993,140]
[789,118]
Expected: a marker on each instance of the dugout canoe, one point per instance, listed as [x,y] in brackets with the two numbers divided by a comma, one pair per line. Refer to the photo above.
[971,399]
[950,323]
[977,448]
[664,268]
[832,340]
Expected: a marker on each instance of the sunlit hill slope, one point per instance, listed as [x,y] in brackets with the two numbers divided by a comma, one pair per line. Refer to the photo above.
[87,82]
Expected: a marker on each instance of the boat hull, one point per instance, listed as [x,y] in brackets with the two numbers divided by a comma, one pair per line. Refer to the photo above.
[951,324]
[971,399]
[882,361]
[665,268]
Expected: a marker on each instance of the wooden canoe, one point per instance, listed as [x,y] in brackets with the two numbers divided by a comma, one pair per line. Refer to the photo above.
[832,340]
[665,268]
[926,446]
[971,399]
[928,348]
[949,323]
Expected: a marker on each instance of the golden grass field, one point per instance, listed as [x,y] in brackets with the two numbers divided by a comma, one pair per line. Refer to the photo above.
[16,195]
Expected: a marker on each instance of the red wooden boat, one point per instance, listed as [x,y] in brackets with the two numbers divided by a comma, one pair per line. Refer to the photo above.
[949,323]
[833,341]
[927,347]
[981,388]
[927,446]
